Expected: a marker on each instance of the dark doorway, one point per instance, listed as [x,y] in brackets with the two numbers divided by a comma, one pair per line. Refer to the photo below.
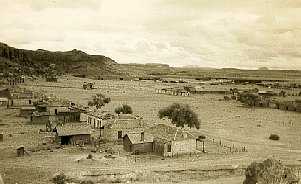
[65,140]
[119,134]
[168,148]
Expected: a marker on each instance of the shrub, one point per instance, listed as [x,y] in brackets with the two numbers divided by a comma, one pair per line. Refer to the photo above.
[59,179]
[89,156]
[274,137]
[125,109]
[201,137]
[269,171]
[99,100]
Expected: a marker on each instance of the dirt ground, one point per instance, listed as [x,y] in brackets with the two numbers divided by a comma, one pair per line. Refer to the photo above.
[226,124]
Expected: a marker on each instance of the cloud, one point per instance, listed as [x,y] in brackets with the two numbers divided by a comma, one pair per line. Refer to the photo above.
[215,33]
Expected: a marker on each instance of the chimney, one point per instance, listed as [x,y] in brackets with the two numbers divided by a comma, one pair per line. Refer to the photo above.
[142,136]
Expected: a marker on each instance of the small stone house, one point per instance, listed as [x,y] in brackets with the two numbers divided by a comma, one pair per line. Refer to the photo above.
[73,135]
[21,98]
[171,141]
[3,102]
[53,108]
[96,119]
[116,129]
[26,111]
[138,142]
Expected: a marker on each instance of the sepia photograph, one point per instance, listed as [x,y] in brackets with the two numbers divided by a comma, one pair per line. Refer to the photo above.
[150,91]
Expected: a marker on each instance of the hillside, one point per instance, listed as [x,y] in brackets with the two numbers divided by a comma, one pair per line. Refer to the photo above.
[41,62]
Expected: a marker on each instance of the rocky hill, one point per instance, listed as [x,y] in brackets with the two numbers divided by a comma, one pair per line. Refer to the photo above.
[42,62]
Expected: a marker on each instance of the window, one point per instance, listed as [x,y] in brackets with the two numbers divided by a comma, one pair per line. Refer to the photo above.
[29,101]
[168,148]
[55,111]
[119,134]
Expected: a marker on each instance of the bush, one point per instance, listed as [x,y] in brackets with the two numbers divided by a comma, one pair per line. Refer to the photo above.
[89,156]
[269,171]
[99,100]
[125,109]
[59,179]
[274,137]
[201,137]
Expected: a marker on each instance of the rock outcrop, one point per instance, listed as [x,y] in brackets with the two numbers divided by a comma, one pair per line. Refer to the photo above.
[40,62]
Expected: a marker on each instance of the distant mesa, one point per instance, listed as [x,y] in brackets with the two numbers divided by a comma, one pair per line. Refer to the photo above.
[157,64]
[230,69]
[263,68]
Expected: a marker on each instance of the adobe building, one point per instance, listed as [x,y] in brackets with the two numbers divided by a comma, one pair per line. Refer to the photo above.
[171,141]
[26,111]
[3,103]
[116,129]
[20,98]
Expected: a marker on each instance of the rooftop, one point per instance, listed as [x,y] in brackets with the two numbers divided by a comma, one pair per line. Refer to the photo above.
[72,129]
[135,137]
[167,133]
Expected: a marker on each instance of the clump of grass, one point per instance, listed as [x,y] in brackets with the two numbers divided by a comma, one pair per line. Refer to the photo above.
[89,156]
[274,137]
[59,179]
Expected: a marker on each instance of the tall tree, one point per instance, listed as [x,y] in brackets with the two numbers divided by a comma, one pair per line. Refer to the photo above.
[180,115]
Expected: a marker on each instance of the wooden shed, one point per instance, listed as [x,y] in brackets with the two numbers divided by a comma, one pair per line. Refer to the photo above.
[20,151]
[138,142]
[73,135]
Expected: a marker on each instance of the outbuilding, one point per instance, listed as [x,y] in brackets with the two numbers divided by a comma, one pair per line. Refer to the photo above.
[171,141]
[73,135]
[138,142]
[27,111]
[3,102]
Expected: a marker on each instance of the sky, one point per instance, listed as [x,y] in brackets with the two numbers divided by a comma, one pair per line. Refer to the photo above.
[244,34]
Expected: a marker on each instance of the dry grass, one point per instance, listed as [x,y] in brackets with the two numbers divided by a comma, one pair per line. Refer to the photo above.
[220,120]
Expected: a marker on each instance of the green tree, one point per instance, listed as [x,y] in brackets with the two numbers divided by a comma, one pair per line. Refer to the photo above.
[99,100]
[125,109]
[180,115]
